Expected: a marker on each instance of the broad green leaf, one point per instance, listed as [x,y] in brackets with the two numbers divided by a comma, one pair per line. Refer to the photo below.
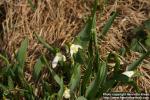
[99,81]
[37,69]
[86,76]
[81,98]
[21,55]
[41,40]
[84,35]
[75,78]
[137,62]
[108,24]
[10,83]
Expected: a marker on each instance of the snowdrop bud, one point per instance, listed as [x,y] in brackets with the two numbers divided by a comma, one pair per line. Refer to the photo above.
[74,49]
[58,57]
[128,73]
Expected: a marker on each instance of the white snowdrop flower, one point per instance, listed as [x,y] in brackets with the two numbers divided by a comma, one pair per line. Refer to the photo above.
[66,93]
[74,49]
[58,57]
[128,73]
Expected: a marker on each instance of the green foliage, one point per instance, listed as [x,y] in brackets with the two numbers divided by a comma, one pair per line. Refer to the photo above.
[37,69]
[85,75]
[109,24]
[22,52]
[45,44]
[135,64]
[75,79]
[141,41]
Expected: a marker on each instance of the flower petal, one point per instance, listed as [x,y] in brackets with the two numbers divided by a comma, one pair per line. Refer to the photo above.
[128,73]
[66,94]
[74,49]
[55,62]
[58,57]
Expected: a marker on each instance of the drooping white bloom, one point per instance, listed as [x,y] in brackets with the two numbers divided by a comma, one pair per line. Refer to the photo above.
[129,73]
[74,49]
[58,57]
[66,94]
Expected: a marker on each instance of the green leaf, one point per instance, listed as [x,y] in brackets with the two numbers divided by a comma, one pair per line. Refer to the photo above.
[135,46]
[5,59]
[86,76]
[84,36]
[122,51]
[109,24]
[81,98]
[41,40]
[58,80]
[124,79]
[109,84]
[61,90]
[99,81]
[2,86]
[75,78]
[10,83]
[137,62]
[37,69]
[115,58]
[21,56]
[79,57]
[47,87]
[147,42]
[85,33]
[147,25]
[22,52]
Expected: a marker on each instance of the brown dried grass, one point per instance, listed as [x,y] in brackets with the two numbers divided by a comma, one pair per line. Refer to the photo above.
[58,21]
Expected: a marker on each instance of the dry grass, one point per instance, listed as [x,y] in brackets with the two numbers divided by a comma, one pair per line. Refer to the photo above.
[58,21]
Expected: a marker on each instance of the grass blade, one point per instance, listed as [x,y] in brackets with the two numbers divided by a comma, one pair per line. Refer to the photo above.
[5,59]
[58,80]
[61,90]
[100,79]
[109,24]
[10,83]
[135,64]
[86,76]
[21,56]
[75,79]
[41,40]
[37,69]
